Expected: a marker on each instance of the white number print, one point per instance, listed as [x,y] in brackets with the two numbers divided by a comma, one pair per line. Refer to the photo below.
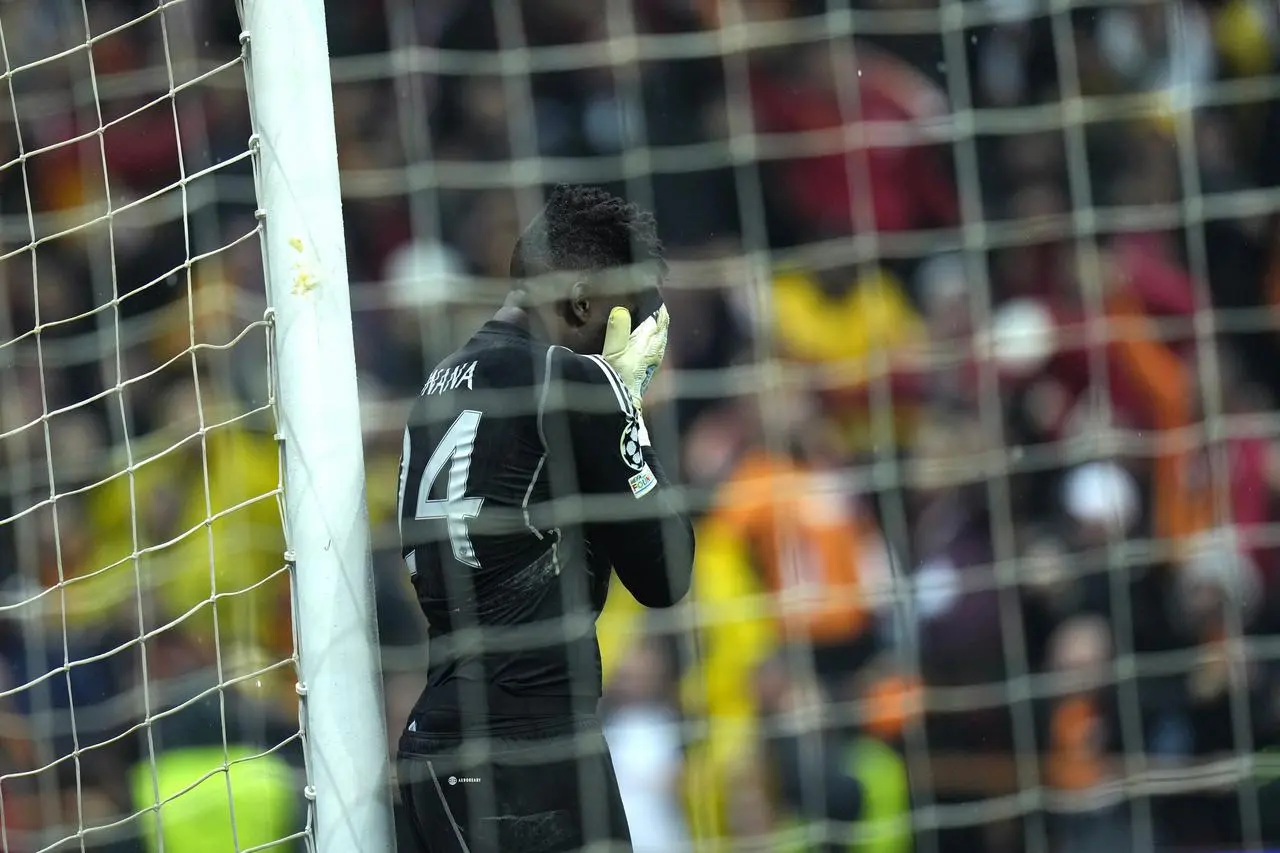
[454,450]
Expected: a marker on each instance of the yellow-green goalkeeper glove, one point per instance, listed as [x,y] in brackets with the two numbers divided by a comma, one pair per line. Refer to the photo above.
[636,355]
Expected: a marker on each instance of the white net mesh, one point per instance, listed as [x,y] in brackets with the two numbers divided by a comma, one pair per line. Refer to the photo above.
[991,281]
[974,343]
[146,695]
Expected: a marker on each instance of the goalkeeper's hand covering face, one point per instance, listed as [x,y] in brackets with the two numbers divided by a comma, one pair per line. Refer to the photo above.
[635,346]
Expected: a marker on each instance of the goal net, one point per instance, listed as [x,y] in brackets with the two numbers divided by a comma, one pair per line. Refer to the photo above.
[971,390]
[150,682]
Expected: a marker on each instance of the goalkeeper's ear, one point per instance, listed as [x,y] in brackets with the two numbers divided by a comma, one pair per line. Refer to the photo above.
[582,314]
[578,306]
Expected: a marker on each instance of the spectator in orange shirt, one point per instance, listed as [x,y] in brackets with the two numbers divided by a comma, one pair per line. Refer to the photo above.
[818,549]
[1083,735]
[1191,495]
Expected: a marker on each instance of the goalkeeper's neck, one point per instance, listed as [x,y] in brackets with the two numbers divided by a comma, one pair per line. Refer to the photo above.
[515,312]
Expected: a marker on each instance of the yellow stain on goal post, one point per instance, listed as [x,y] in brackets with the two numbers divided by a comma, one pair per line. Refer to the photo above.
[304,281]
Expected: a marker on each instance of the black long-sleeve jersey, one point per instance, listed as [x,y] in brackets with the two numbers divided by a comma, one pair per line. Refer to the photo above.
[526,474]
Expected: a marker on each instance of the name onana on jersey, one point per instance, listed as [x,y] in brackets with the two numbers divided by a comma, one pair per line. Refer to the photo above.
[449,378]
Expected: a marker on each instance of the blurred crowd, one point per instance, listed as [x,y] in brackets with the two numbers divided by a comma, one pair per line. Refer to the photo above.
[972,385]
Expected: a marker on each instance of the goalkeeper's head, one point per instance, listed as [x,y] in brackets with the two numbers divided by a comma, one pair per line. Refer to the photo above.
[585,253]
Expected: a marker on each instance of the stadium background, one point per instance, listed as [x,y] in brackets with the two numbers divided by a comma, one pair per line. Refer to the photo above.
[978,295]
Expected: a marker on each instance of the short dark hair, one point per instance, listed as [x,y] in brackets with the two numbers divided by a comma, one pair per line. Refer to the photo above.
[589,229]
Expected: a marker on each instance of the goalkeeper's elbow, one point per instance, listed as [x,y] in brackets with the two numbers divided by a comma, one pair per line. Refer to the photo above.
[659,595]
[675,570]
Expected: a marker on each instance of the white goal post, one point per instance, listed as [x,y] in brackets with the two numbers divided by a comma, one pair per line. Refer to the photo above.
[180,671]
[899,234]
[326,520]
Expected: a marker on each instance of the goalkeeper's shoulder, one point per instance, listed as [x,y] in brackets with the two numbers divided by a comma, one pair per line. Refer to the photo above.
[587,384]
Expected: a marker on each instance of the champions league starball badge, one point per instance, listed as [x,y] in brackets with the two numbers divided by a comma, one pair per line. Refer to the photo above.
[630,445]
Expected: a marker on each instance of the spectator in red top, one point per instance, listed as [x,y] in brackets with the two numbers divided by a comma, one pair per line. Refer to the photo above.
[1051,271]
[835,86]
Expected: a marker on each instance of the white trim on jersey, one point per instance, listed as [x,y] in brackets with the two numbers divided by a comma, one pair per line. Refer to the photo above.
[406,450]
[624,397]
[528,495]
[546,448]
[615,382]
[542,398]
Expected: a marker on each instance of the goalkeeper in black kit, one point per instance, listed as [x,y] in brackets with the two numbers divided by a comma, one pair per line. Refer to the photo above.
[526,480]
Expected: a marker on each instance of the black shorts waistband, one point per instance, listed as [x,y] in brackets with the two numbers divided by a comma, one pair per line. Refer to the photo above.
[441,718]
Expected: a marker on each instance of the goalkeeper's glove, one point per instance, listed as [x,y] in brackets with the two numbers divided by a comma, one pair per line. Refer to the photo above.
[636,355]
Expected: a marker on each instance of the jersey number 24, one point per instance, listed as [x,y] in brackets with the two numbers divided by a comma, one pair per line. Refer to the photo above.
[453,451]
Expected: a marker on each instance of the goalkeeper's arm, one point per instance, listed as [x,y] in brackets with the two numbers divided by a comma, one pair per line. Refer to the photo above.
[649,539]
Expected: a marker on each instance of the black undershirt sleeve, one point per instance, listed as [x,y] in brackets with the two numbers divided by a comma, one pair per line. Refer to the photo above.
[632,515]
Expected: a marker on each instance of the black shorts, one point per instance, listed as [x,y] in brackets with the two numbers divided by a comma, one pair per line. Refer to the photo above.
[537,794]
